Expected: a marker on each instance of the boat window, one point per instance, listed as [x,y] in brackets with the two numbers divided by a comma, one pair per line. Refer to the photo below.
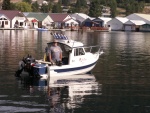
[92,49]
[78,52]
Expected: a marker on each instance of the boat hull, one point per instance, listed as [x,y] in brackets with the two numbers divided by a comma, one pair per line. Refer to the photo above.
[61,71]
[67,70]
[45,71]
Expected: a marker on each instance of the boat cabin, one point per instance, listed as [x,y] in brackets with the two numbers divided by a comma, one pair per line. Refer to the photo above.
[70,50]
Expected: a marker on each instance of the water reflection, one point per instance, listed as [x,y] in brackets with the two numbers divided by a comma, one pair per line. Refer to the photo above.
[123,70]
[77,88]
[64,93]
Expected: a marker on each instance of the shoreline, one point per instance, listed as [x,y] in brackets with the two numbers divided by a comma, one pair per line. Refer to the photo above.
[36,29]
[54,30]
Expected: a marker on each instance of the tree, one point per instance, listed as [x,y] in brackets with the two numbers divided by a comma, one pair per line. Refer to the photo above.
[6,5]
[57,8]
[23,6]
[140,6]
[134,7]
[35,7]
[119,1]
[65,2]
[46,8]
[113,7]
[80,3]
[105,2]
[79,6]
[12,6]
[28,1]
[83,3]
[147,1]
[95,8]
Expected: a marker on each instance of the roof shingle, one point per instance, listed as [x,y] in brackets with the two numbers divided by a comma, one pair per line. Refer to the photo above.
[11,13]
[38,16]
[58,17]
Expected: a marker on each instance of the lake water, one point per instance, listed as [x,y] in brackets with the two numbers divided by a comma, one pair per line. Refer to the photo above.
[122,75]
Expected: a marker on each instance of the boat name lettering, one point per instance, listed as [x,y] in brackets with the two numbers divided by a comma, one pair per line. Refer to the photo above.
[82,59]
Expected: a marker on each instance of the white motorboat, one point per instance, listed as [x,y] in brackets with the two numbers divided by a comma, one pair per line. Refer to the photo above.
[77,59]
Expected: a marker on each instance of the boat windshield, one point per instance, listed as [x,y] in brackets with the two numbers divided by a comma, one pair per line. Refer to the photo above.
[92,49]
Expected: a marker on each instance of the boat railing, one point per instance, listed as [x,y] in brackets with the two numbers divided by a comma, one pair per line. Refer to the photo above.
[92,49]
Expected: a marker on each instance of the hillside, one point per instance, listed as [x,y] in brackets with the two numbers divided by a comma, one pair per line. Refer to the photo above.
[146,10]
[14,1]
[120,11]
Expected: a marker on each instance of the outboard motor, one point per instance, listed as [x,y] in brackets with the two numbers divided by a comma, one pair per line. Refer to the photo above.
[25,64]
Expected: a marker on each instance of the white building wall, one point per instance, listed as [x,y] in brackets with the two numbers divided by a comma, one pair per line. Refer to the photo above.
[20,20]
[105,20]
[5,22]
[129,28]
[47,21]
[68,17]
[8,24]
[69,22]
[115,24]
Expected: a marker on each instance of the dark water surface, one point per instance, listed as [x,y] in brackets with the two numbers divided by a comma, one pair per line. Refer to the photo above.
[122,75]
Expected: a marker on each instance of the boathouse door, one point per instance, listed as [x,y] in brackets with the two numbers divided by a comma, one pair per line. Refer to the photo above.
[2,24]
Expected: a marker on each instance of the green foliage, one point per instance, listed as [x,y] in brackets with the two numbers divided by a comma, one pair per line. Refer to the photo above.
[35,7]
[46,8]
[57,8]
[80,3]
[134,7]
[28,1]
[12,6]
[65,2]
[122,1]
[105,2]
[147,1]
[75,10]
[6,5]
[23,6]
[95,8]
[113,7]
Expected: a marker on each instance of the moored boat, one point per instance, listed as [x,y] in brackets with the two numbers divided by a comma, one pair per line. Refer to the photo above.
[42,29]
[77,59]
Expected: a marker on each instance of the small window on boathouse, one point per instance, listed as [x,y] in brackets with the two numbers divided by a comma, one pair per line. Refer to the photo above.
[6,22]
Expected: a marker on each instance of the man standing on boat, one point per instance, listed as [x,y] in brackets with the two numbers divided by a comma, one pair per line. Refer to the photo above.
[55,53]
